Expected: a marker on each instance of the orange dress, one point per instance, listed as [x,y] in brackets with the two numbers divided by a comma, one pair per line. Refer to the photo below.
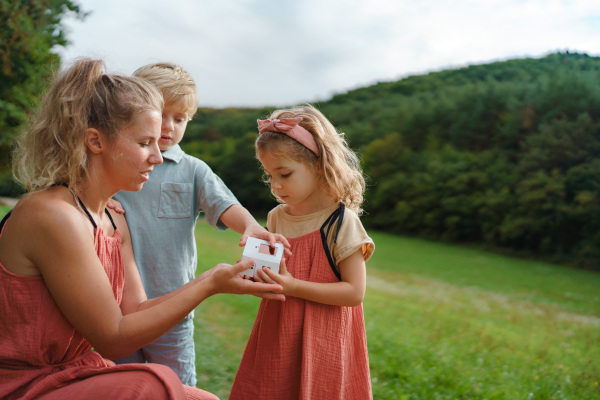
[43,357]
[299,349]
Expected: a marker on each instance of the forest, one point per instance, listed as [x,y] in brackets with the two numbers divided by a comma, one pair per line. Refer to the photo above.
[503,156]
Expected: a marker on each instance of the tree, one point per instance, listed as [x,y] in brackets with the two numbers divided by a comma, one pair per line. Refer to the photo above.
[30,31]
[505,155]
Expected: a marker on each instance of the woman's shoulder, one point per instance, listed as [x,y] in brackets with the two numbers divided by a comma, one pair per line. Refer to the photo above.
[38,218]
[120,222]
[46,208]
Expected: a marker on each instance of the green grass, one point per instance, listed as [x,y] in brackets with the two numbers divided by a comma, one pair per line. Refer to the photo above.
[4,210]
[443,322]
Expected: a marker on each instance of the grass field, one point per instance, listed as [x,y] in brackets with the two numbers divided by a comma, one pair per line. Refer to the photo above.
[443,322]
[4,210]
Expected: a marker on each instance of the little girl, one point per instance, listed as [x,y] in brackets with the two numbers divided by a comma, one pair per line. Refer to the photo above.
[313,345]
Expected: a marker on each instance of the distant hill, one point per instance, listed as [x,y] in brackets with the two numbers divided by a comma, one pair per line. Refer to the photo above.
[504,155]
[516,70]
[351,110]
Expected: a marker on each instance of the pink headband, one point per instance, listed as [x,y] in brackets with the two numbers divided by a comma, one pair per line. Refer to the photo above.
[290,127]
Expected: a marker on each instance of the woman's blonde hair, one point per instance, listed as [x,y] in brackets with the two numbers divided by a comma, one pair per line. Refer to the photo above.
[174,82]
[340,171]
[52,151]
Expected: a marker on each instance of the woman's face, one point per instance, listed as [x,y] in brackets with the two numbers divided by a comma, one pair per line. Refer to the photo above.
[135,151]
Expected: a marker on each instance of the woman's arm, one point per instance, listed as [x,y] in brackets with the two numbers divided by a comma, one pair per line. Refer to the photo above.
[62,248]
[154,317]
[350,291]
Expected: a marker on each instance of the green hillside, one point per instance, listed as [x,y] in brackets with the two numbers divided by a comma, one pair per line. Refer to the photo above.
[443,322]
[503,155]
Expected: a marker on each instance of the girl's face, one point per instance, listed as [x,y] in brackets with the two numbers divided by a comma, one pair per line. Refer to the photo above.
[135,151]
[295,183]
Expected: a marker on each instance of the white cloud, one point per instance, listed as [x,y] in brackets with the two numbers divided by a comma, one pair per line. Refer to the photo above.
[277,52]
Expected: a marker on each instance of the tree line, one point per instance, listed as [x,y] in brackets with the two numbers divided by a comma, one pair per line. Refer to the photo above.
[503,155]
[30,32]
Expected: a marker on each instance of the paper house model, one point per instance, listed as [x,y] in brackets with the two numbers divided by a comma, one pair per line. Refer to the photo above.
[263,255]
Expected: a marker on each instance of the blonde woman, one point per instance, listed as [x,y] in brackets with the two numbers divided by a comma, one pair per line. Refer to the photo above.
[313,345]
[69,286]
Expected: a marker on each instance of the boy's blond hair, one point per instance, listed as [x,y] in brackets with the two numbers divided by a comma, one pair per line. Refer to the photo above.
[341,174]
[175,83]
[52,151]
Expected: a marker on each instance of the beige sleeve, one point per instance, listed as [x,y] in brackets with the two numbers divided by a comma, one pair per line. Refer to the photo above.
[351,238]
[270,221]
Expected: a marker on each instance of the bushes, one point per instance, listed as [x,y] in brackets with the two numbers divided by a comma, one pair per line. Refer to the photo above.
[505,155]
[507,165]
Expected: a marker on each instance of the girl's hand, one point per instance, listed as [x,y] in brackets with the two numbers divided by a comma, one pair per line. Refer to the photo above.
[259,232]
[228,279]
[115,205]
[283,278]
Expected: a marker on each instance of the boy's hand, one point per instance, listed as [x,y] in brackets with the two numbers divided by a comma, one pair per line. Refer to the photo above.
[115,205]
[259,232]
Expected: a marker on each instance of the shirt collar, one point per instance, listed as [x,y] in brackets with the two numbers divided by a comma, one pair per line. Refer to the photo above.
[174,154]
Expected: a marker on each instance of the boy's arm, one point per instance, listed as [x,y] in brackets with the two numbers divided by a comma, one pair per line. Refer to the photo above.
[240,220]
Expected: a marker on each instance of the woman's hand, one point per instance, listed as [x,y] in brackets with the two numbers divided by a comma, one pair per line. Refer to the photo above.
[227,278]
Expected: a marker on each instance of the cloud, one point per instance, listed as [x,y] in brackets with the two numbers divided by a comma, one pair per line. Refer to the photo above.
[275,52]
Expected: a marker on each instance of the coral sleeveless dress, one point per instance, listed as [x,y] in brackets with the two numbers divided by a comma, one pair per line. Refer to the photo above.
[299,349]
[43,357]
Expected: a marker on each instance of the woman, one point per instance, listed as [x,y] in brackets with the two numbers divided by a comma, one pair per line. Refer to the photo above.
[69,286]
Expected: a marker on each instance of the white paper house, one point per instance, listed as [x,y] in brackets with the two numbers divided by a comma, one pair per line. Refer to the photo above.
[263,255]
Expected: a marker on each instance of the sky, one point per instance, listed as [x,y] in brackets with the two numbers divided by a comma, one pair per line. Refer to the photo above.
[253,53]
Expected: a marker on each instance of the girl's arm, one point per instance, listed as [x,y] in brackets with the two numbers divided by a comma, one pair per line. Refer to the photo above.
[350,291]
[240,220]
[62,249]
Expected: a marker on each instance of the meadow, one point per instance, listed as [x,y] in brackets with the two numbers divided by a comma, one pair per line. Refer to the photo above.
[4,210]
[443,322]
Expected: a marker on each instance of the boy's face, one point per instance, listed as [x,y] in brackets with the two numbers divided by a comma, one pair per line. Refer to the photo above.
[174,122]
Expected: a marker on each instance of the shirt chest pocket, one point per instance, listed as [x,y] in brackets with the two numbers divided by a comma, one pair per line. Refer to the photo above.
[175,200]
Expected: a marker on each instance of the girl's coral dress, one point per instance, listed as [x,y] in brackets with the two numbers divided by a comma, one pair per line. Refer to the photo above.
[43,357]
[299,349]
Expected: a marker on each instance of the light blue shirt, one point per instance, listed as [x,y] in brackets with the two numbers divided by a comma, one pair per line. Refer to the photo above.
[162,217]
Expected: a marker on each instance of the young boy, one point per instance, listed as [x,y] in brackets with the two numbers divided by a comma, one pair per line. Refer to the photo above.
[162,217]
